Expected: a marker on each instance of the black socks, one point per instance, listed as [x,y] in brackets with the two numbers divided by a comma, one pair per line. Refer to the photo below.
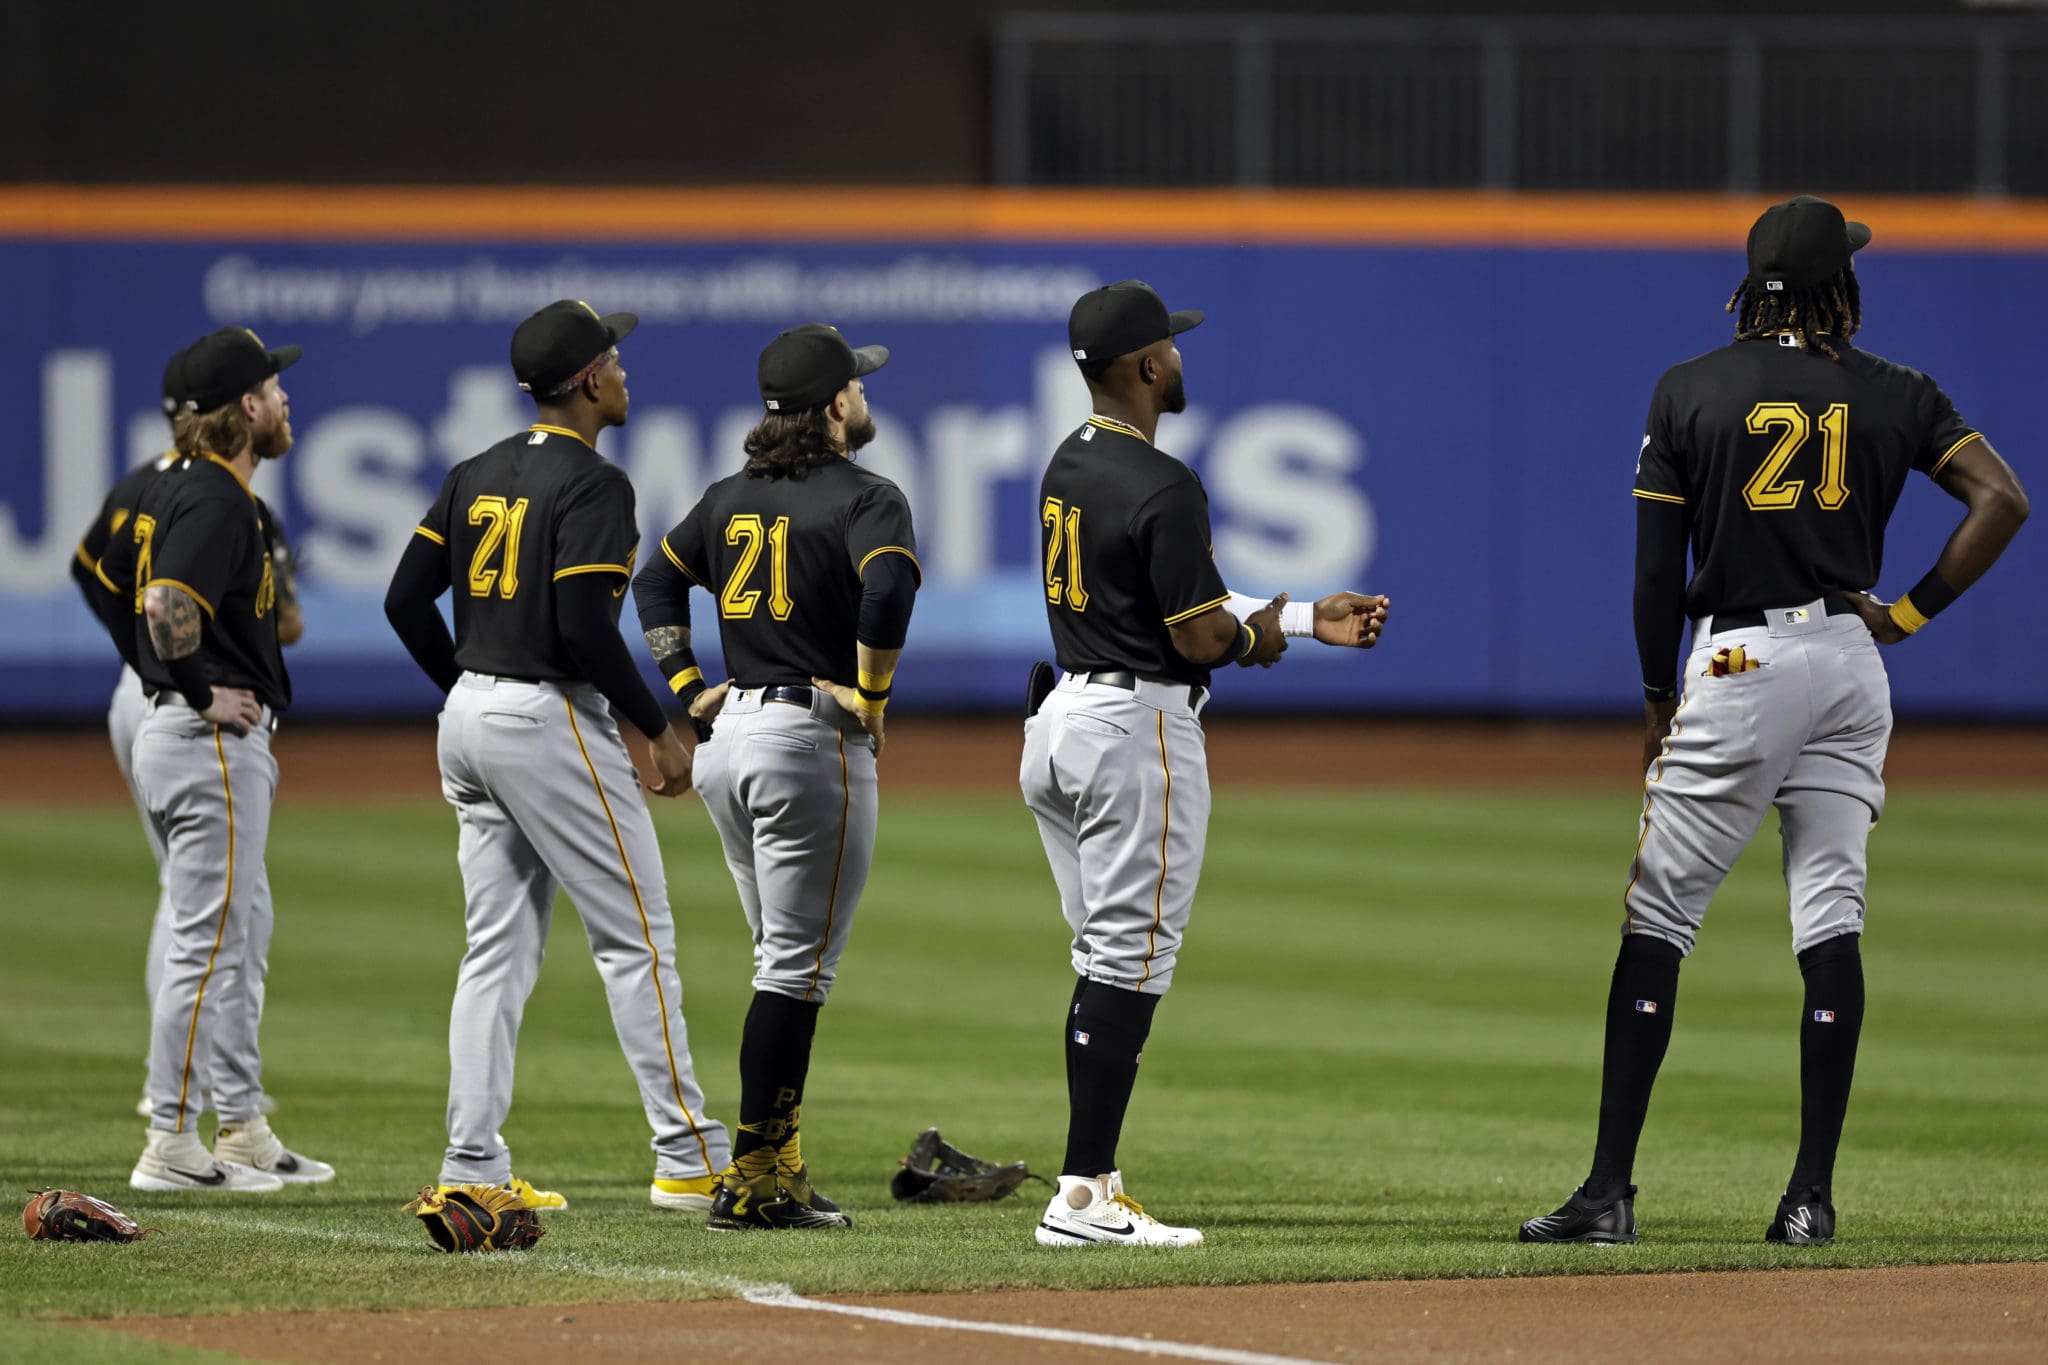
[1828,1030]
[775,1056]
[1639,1007]
[1106,1027]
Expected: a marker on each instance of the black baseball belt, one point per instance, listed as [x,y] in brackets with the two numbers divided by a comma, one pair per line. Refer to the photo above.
[1753,620]
[1128,681]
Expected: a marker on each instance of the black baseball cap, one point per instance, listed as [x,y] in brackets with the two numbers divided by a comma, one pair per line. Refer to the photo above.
[222,366]
[174,382]
[1120,318]
[551,348]
[1801,242]
[805,366]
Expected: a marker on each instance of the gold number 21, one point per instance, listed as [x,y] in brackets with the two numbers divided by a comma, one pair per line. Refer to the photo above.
[737,602]
[501,523]
[1063,531]
[1768,490]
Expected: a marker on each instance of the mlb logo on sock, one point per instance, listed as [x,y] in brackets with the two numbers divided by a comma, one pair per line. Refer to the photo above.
[1082,1038]
[1646,1007]
[1823,1016]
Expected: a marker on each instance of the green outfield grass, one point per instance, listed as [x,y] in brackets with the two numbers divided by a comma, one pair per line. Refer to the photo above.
[1380,1055]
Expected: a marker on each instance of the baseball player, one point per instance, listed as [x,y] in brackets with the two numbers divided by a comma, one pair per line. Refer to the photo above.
[1113,764]
[1779,458]
[126,707]
[194,563]
[814,566]
[536,538]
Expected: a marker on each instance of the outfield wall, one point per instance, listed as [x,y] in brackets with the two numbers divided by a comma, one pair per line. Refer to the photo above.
[1436,397]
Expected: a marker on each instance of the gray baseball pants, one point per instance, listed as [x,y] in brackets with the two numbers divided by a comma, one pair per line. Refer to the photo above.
[1806,732]
[791,790]
[546,797]
[208,794]
[1119,783]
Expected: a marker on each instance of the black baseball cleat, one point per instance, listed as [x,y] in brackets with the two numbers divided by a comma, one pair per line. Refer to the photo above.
[741,1208]
[797,1184]
[1805,1219]
[1586,1220]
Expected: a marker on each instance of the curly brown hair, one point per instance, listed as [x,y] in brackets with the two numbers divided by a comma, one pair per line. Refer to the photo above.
[223,431]
[1834,307]
[789,445]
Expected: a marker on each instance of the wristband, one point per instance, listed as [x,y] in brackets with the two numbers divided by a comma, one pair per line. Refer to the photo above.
[872,702]
[1249,643]
[1906,616]
[686,673]
[1930,597]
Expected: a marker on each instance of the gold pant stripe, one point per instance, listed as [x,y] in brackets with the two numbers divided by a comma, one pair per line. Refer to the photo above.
[1165,828]
[220,932]
[832,902]
[1635,870]
[646,933]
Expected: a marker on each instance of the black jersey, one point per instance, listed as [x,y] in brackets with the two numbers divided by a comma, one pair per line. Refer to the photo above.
[198,528]
[783,558]
[532,510]
[1125,530]
[111,602]
[1789,465]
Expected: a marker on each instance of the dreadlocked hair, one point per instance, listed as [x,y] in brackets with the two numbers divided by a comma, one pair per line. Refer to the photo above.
[789,445]
[1834,307]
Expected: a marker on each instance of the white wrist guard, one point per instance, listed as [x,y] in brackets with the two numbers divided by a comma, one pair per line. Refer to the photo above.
[1297,619]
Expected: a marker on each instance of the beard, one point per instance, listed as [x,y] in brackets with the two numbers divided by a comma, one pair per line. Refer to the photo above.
[858,436]
[272,441]
[1176,398]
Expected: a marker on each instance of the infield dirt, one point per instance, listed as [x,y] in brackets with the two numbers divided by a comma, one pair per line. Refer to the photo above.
[1985,1312]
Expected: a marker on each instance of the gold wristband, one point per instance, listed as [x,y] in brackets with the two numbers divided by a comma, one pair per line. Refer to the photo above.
[874,682]
[684,679]
[1906,616]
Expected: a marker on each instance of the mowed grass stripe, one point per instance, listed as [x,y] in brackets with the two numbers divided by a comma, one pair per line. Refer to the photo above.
[1381,1053]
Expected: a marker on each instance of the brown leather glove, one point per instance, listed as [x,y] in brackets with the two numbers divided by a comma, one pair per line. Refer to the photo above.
[68,1216]
[477,1218]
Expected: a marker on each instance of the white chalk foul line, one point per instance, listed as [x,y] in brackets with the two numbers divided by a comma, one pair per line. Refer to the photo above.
[783,1297]
[767,1295]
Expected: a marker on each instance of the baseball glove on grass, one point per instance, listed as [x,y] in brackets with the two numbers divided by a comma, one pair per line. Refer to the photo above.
[68,1216]
[477,1218]
[937,1172]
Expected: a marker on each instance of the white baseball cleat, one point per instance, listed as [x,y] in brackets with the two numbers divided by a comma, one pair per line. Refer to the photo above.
[253,1144]
[1097,1212]
[175,1162]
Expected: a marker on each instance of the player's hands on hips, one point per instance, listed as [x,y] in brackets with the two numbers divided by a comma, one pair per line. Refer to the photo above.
[1350,620]
[1272,641]
[710,702]
[1656,728]
[849,701]
[235,708]
[1877,615]
[671,761]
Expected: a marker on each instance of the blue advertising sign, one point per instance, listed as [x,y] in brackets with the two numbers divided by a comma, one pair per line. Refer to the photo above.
[1455,427]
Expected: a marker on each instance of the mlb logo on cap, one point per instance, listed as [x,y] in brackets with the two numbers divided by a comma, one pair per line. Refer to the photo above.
[1646,1007]
[1823,1016]
[1080,1037]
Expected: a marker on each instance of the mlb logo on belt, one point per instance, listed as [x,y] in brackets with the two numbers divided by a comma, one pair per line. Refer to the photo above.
[1646,1007]
[1823,1016]
[1080,1037]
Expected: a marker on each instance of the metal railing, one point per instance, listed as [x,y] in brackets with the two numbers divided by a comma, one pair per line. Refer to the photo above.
[1929,106]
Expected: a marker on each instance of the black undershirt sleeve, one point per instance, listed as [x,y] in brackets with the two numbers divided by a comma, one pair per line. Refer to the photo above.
[583,606]
[888,590]
[421,578]
[1662,532]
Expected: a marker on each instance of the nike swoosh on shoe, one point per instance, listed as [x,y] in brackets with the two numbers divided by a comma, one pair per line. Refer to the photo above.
[216,1176]
[286,1163]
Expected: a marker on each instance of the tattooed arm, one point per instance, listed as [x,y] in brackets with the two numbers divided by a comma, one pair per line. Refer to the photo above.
[661,596]
[175,627]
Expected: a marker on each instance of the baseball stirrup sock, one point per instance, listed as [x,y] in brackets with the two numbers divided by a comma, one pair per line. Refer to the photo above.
[1106,1031]
[1828,1030]
[775,1056]
[1639,1008]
